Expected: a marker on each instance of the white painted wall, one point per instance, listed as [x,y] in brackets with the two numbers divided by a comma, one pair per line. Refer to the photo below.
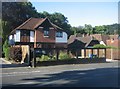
[32,36]
[62,39]
[101,42]
[17,36]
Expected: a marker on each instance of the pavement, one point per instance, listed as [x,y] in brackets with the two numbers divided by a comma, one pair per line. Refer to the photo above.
[70,75]
[3,61]
[7,64]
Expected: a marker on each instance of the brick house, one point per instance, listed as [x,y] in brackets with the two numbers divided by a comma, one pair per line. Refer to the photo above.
[103,38]
[89,41]
[82,42]
[39,33]
[115,52]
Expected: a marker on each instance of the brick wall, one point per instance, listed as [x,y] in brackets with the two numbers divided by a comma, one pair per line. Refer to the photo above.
[40,36]
[115,52]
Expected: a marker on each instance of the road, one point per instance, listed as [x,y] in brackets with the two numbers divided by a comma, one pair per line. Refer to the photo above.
[77,75]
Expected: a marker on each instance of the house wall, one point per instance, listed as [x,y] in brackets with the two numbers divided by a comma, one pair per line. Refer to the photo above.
[17,36]
[59,45]
[113,53]
[101,42]
[40,36]
[32,34]
[62,39]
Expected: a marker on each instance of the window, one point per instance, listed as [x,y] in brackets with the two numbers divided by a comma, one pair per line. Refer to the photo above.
[46,32]
[59,34]
[25,33]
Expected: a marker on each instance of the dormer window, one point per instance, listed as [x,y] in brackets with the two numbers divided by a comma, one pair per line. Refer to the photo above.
[59,34]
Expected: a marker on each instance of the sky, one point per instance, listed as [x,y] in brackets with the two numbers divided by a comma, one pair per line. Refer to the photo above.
[80,13]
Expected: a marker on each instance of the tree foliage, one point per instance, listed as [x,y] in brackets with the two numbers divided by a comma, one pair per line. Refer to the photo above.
[15,13]
[58,19]
[104,29]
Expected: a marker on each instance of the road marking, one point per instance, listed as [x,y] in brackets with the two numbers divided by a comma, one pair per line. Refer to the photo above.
[17,73]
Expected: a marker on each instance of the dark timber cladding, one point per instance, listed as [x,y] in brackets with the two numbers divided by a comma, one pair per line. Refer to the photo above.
[36,51]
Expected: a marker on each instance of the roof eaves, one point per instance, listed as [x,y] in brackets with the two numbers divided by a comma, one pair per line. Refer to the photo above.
[12,32]
[40,22]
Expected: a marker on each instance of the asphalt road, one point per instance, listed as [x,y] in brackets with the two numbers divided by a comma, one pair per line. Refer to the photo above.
[78,75]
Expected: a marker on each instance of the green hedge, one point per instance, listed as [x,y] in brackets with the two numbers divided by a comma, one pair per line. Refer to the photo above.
[6,49]
[102,46]
[63,56]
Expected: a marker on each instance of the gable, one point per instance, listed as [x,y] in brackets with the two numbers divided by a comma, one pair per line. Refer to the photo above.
[34,23]
[77,44]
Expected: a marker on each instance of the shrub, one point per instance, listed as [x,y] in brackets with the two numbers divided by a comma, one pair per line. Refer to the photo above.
[6,49]
[16,53]
[63,55]
[101,46]
[44,58]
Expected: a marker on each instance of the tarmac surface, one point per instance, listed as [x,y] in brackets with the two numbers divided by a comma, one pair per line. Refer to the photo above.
[70,75]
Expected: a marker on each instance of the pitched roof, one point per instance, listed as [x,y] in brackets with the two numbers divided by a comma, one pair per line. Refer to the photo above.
[33,23]
[86,40]
[71,39]
[102,37]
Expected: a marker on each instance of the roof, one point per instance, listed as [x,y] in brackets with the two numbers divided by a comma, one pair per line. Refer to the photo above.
[71,39]
[33,23]
[86,40]
[102,37]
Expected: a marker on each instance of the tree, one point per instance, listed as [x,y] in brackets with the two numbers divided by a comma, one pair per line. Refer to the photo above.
[14,14]
[58,19]
[88,28]
[6,49]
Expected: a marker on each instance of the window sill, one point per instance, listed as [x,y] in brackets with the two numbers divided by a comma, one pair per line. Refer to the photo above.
[46,36]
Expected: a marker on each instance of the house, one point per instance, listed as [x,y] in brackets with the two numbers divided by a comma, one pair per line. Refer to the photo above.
[82,42]
[113,53]
[39,33]
[103,38]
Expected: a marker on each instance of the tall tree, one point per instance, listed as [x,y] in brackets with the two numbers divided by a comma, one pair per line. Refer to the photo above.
[15,13]
[88,28]
[58,19]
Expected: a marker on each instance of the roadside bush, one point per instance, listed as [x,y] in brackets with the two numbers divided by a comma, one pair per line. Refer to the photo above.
[16,54]
[63,56]
[101,46]
[6,49]
[44,58]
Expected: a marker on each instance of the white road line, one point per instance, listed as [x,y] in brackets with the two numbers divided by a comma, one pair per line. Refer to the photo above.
[18,73]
